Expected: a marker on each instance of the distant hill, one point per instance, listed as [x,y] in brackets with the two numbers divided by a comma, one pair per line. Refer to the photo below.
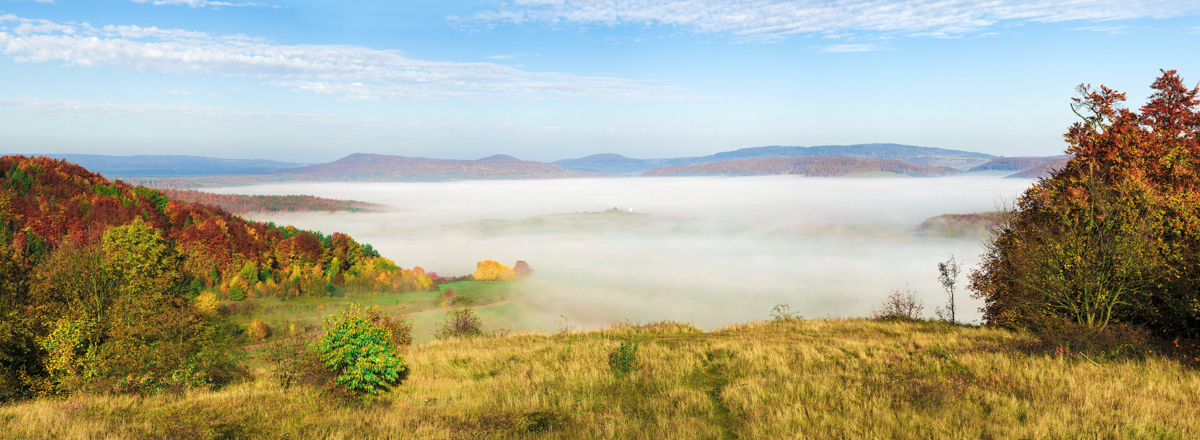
[1042,170]
[241,204]
[612,164]
[806,166]
[963,226]
[1015,163]
[165,165]
[618,164]
[379,167]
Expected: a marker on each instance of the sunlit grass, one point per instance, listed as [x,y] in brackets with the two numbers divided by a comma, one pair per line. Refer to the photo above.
[796,379]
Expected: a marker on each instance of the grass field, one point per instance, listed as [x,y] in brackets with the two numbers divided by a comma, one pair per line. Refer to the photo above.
[492,299]
[815,379]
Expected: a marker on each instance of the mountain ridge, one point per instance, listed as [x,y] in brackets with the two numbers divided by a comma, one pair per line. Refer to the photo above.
[806,166]
[617,164]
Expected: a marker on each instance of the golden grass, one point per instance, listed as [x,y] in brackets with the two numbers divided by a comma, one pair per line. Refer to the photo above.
[836,379]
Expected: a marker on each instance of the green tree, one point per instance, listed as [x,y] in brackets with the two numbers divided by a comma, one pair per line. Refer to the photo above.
[360,352]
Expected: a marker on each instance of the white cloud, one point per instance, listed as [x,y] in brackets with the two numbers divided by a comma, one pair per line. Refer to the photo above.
[773,19]
[178,92]
[355,72]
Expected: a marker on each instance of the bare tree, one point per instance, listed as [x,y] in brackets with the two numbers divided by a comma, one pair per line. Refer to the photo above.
[948,275]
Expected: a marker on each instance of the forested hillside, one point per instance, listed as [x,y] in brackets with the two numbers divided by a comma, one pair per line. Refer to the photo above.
[240,204]
[47,202]
[108,287]
[806,166]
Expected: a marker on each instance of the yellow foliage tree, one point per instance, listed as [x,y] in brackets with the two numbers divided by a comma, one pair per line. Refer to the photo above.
[489,270]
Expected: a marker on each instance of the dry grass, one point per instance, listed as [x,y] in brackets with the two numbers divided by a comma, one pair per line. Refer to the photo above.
[792,379]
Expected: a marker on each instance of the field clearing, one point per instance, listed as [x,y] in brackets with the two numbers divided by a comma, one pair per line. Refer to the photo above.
[820,379]
[491,299]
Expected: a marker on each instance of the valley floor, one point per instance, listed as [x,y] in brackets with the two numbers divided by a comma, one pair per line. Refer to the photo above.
[835,379]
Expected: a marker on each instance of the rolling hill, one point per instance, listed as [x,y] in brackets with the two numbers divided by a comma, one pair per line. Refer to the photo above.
[618,164]
[806,166]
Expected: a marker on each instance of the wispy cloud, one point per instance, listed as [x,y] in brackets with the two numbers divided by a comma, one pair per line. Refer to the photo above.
[178,92]
[198,3]
[847,48]
[510,56]
[354,72]
[774,19]
[1106,29]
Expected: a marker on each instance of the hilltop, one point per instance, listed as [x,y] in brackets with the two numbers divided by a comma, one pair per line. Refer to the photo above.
[806,166]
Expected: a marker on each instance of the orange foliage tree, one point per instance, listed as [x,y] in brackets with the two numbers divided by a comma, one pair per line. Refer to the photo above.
[489,270]
[1113,236]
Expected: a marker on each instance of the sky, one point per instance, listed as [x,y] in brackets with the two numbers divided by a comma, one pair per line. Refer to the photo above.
[314,81]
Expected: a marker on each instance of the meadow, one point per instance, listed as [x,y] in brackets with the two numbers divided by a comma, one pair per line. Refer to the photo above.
[492,300]
[785,378]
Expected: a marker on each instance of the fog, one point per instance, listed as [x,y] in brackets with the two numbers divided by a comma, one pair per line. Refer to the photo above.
[709,251]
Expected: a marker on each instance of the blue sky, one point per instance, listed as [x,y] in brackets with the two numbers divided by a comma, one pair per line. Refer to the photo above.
[312,81]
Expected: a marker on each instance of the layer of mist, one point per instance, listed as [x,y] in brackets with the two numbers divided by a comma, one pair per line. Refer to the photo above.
[710,251]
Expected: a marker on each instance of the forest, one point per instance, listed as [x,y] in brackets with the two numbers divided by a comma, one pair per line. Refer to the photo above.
[104,282]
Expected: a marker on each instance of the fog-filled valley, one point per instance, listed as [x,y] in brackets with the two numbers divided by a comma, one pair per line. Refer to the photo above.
[708,251]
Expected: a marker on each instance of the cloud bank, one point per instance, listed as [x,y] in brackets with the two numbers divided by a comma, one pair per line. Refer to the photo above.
[350,72]
[774,19]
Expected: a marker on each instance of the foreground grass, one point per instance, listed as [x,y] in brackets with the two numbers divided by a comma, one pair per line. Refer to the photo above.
[795,379]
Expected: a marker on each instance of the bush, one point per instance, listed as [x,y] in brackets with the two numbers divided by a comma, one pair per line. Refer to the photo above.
[784,313]
[399,330]
[899,305]
[360,352]
[292,361]
[624,360]
[258,330]
[460,323]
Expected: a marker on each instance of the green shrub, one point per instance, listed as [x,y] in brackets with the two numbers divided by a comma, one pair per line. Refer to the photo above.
[460,323]
[624,360]
[360,352]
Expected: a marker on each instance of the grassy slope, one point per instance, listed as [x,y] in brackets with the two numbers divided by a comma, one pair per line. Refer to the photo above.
[799,379]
